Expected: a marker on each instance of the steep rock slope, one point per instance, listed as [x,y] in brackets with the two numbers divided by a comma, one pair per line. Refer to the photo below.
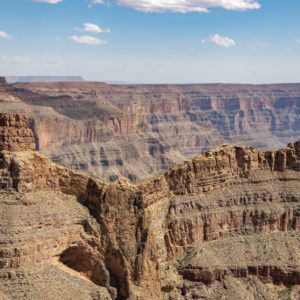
[224,225]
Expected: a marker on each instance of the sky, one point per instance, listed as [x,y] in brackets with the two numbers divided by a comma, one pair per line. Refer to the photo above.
[152,41]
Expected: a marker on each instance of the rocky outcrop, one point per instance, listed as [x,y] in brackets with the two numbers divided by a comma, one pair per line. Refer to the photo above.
[224,222]
[15,134]
[226,165]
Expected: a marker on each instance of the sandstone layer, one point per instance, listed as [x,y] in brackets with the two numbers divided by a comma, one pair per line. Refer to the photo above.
[15,135]
[112,131]
[223,225]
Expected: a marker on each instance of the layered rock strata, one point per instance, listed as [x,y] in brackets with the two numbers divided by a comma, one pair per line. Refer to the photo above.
[15,135]
[115,131]
[224,224]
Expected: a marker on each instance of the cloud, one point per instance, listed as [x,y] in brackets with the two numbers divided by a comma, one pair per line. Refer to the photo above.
[186,6]
[220,41]
[15,59]
[5,36]
[86,40]
[48,1]
[89,27]
[298,42]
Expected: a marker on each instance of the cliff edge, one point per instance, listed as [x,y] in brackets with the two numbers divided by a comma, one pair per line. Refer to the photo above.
[224,224]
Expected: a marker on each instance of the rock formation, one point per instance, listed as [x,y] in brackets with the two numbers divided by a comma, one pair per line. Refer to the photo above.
[224,224]
[113,131]
[15,135]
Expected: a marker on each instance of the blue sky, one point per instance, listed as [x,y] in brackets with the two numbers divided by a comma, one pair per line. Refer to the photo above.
[153,41]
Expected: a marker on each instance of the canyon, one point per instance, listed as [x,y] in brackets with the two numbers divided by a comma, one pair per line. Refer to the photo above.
[221,225]
[136,131]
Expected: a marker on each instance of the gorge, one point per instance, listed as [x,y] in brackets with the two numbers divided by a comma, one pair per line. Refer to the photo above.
[222,225]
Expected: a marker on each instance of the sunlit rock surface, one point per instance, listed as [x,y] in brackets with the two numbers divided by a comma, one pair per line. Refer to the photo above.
[223,224]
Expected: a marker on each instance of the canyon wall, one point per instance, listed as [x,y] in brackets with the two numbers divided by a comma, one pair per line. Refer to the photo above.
[223,224]
[112,131]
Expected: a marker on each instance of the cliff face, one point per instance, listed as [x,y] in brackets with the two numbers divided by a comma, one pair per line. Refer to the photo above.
[224,224]
[15,134]
[115,131]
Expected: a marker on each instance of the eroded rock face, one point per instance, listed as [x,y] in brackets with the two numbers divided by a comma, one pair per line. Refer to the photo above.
[15,135]
[225,223]
[112,131]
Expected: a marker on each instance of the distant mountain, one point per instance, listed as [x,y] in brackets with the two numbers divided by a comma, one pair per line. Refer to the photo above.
[15,79]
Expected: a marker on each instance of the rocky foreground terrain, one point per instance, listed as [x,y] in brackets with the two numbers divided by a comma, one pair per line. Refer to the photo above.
[223,225]
[113,131]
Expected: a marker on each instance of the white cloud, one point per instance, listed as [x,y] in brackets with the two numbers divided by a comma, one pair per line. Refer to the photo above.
[48,1]
[15,59]
[221,41]
[5,36]
[298,42]
[185,6]
[86,40]
[89,27]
